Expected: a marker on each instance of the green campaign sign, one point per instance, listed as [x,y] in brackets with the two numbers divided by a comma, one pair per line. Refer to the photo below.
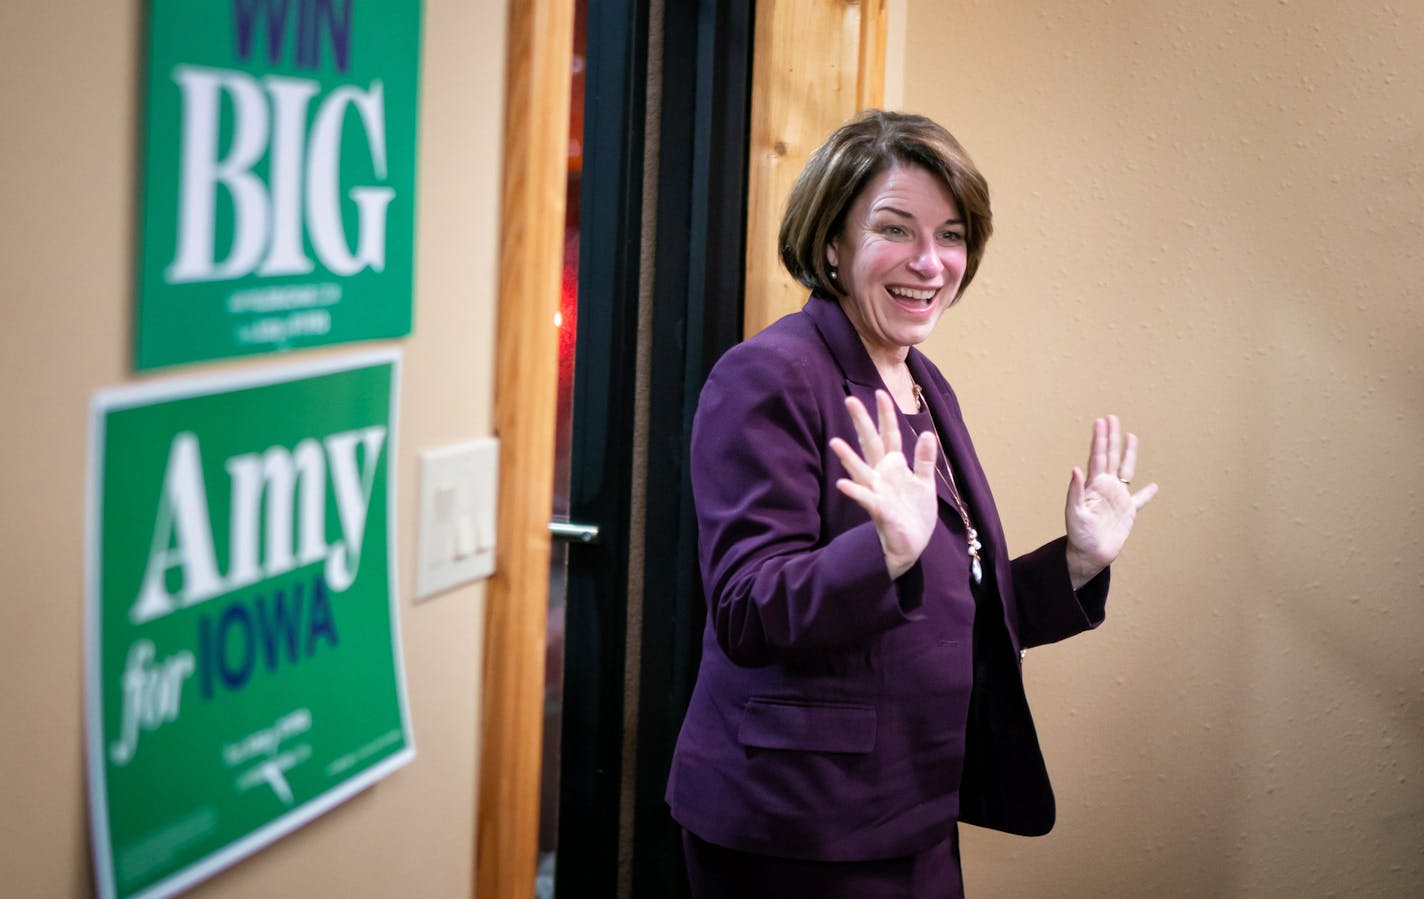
[278,178]
[243,670]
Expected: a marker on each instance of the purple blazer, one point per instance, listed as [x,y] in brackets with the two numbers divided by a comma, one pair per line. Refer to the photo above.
[832,717]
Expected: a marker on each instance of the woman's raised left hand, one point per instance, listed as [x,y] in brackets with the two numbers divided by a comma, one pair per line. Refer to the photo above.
[1101,505]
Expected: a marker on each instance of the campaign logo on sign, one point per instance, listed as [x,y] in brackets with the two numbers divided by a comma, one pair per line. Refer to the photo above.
[279,176]
[243,663]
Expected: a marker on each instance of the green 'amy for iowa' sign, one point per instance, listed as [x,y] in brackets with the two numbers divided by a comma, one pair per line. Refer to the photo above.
[279,176]
[242,659]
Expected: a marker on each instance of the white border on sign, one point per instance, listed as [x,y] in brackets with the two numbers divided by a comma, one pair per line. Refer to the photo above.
[126,397]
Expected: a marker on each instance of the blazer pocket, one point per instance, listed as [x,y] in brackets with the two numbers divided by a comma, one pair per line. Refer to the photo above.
[808,727]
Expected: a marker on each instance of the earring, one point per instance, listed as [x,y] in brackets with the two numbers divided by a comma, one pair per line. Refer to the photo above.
[833,275]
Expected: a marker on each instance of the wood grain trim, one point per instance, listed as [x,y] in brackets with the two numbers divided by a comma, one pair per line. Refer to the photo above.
[870,68]
[536,124]
[815,64]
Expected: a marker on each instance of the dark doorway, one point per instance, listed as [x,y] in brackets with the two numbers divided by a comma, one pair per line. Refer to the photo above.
[694,314]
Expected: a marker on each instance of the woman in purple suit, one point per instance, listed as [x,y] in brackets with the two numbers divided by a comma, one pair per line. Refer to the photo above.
[860,691]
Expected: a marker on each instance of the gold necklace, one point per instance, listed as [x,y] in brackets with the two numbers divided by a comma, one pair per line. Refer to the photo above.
[976,569]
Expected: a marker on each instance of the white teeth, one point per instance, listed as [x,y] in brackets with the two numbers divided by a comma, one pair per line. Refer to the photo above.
[907,293]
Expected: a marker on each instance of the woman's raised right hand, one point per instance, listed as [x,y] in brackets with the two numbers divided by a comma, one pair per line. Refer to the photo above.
[899,499]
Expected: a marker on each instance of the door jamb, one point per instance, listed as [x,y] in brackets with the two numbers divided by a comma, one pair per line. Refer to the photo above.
[539,51]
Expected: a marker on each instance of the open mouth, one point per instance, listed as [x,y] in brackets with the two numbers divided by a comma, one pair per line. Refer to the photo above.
[912,298]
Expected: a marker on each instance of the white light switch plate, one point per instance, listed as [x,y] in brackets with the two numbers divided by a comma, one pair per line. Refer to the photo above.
[458,487]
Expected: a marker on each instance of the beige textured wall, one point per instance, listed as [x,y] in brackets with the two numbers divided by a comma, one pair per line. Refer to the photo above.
[69,72]
[1210,220]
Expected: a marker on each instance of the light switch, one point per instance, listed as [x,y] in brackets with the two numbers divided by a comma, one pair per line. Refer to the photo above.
[458,487]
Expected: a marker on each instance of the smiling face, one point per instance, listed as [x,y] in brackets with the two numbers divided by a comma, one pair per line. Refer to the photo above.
[899,258]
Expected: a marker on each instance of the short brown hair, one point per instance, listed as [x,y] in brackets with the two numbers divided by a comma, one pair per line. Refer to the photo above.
[850,158]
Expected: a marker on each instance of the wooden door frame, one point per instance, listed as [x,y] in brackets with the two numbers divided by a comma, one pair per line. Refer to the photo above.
[536,132]
[816,64]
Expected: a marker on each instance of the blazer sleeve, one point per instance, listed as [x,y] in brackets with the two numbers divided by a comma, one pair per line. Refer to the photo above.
[782,582]
[1049,609]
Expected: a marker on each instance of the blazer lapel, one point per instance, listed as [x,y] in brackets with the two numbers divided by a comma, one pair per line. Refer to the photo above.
[846,349]
[969,476]
[862,378]
[973,485]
